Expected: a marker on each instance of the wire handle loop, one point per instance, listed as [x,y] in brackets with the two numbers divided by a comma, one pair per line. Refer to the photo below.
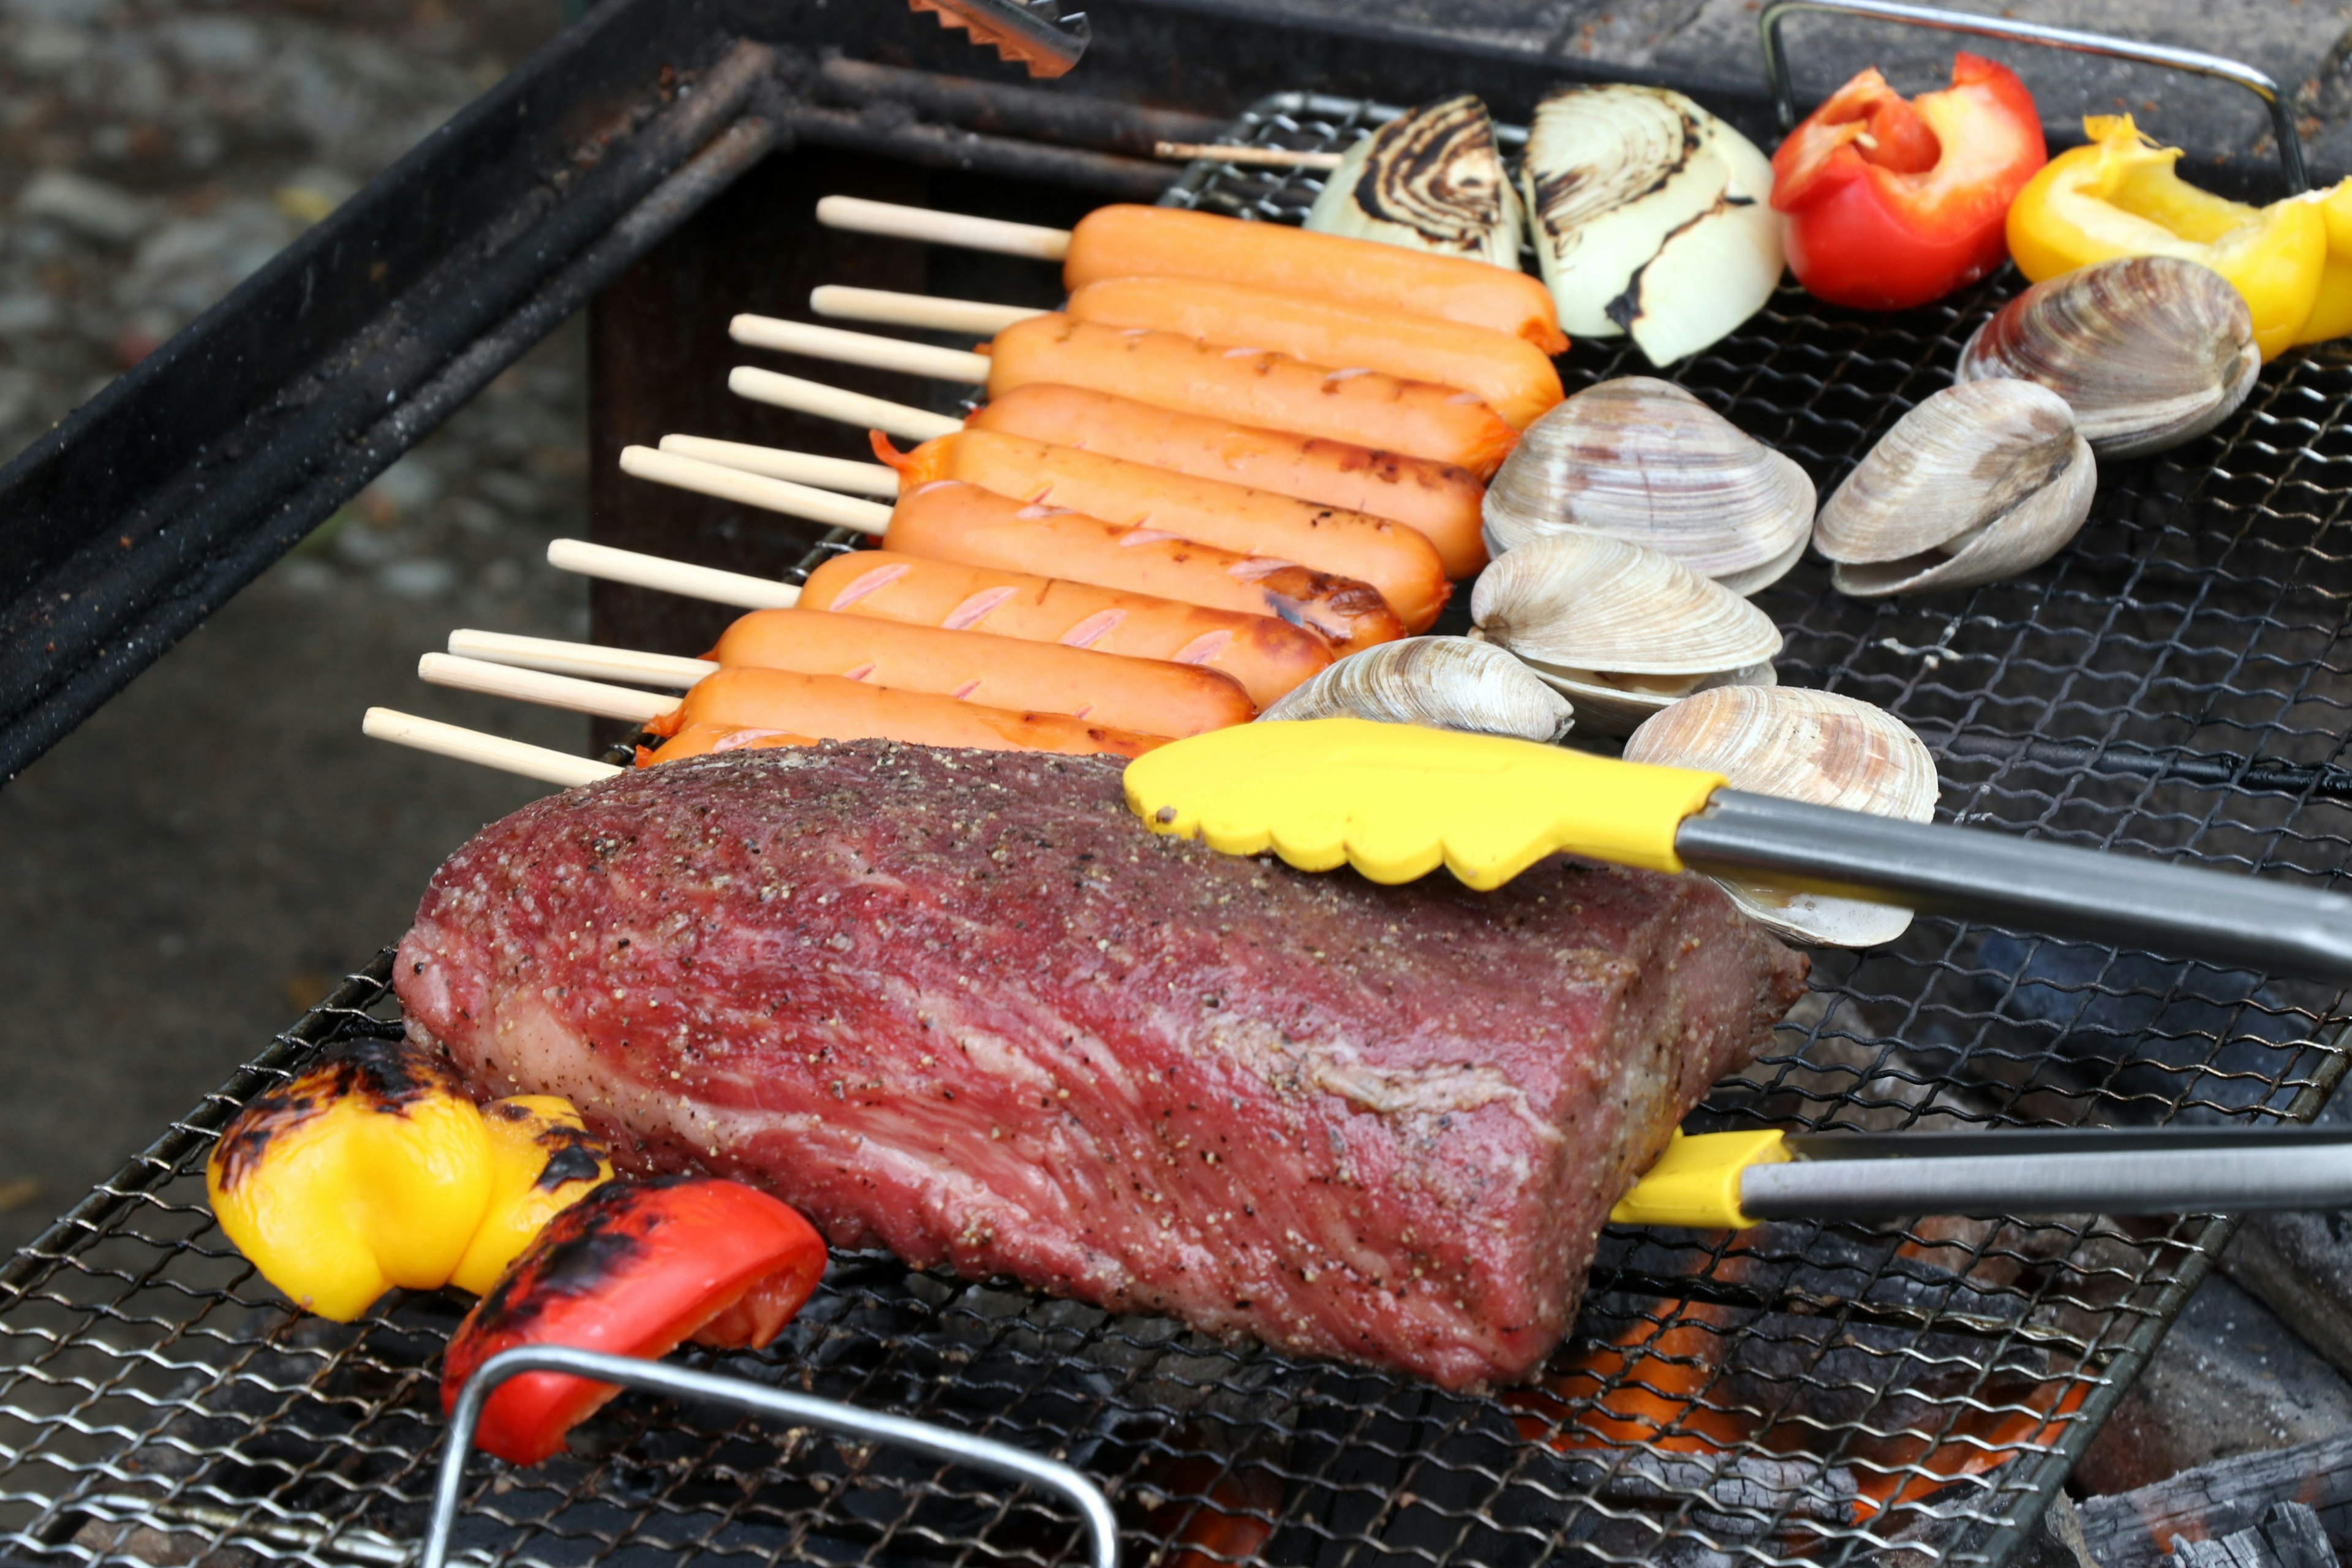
[800,1409]
[1784,91]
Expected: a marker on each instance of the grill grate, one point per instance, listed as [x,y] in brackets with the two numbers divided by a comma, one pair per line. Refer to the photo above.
[1797,1394]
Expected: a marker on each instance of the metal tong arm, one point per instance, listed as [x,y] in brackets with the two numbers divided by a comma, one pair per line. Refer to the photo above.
[802,1410]
[1784,92]
[2070,893]
[2031,1172]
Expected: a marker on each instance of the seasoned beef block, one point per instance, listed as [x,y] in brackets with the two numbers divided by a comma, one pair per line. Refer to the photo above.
[963,1006]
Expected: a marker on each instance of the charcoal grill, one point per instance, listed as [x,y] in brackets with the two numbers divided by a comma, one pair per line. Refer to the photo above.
[2172,685]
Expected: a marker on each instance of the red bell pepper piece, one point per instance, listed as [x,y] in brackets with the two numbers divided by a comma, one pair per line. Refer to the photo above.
[634,1268]
[1893,203]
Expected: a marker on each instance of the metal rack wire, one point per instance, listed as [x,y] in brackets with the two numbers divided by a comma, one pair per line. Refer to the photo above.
[2171,685]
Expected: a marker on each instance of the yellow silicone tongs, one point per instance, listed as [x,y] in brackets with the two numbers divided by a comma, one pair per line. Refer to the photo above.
[1397,801]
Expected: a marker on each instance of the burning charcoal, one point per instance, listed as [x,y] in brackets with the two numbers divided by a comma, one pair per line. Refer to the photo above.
[2288,1537]
[2291,1495]
[2295,1536]
[1763,1491]
[2228,1379]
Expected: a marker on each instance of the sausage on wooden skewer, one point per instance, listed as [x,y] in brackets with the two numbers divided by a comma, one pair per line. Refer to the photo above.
[1400,564]
[748,706]
[775,707]
[1247,384]
[1149,696]
[1440,501]
[1126,241]
[1515,377]
[947,520]
[1266,657]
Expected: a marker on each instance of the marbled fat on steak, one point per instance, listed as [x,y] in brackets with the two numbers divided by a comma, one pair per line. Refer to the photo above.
[963,1006]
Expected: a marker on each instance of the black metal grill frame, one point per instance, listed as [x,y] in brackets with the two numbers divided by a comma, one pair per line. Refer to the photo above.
[2166,686]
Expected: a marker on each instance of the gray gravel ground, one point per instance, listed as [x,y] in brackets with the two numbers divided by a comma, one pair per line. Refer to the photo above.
[195,865]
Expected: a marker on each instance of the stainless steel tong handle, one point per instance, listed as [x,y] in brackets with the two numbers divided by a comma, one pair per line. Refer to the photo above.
[2032,884]
[2031,1171]
[1784,92]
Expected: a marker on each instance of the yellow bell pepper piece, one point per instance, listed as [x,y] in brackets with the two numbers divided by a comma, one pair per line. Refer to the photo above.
[2331,314]
[369,1171]
[374,1170]
[2121,195]
[542,1160]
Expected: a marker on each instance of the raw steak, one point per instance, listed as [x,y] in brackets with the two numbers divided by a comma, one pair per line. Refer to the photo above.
[963,1006]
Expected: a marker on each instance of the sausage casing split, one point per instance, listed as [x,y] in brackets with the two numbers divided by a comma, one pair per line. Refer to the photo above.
[1267,657]
[1128,241]
[1255,387]
[1149,696]
[949,521]
[1401,565]
[747,705]
[1514,376]
[1440,501]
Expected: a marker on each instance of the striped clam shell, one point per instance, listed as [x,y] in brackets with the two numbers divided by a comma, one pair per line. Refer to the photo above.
[1445,683]
[2148,351]
[1642,459]
[1620,630]
[1981,481]
[1812,746]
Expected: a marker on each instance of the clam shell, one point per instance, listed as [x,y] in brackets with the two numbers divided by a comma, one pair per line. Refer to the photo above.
[1430,180]
[1641,459]
[2148,351]
[1582,608]
[1981,481]
[1812,746]
[1448,683]
[1605,706]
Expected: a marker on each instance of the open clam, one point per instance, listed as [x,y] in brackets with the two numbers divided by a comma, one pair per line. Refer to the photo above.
[1979,482]
[1448,683]
[2148,351]
[1641,459]
[1622,630]
[1812,746]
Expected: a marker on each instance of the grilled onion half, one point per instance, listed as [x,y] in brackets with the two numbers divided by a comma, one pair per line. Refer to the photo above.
[1651,216]
[1430,180]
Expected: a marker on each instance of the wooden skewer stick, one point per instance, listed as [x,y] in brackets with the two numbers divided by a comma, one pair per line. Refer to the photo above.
[918,309]
[587,660]
[736,588]
[859,347]
[756,489]
[490,751]
[801,468]
[908,423]
[590,696]
[862,216]
[1242,156]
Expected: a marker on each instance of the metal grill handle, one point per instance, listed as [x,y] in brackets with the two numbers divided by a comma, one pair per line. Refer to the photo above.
[1784,91]
[802,1410]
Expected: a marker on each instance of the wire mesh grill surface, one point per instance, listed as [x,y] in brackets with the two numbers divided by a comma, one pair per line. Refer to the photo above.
[1797,1394]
